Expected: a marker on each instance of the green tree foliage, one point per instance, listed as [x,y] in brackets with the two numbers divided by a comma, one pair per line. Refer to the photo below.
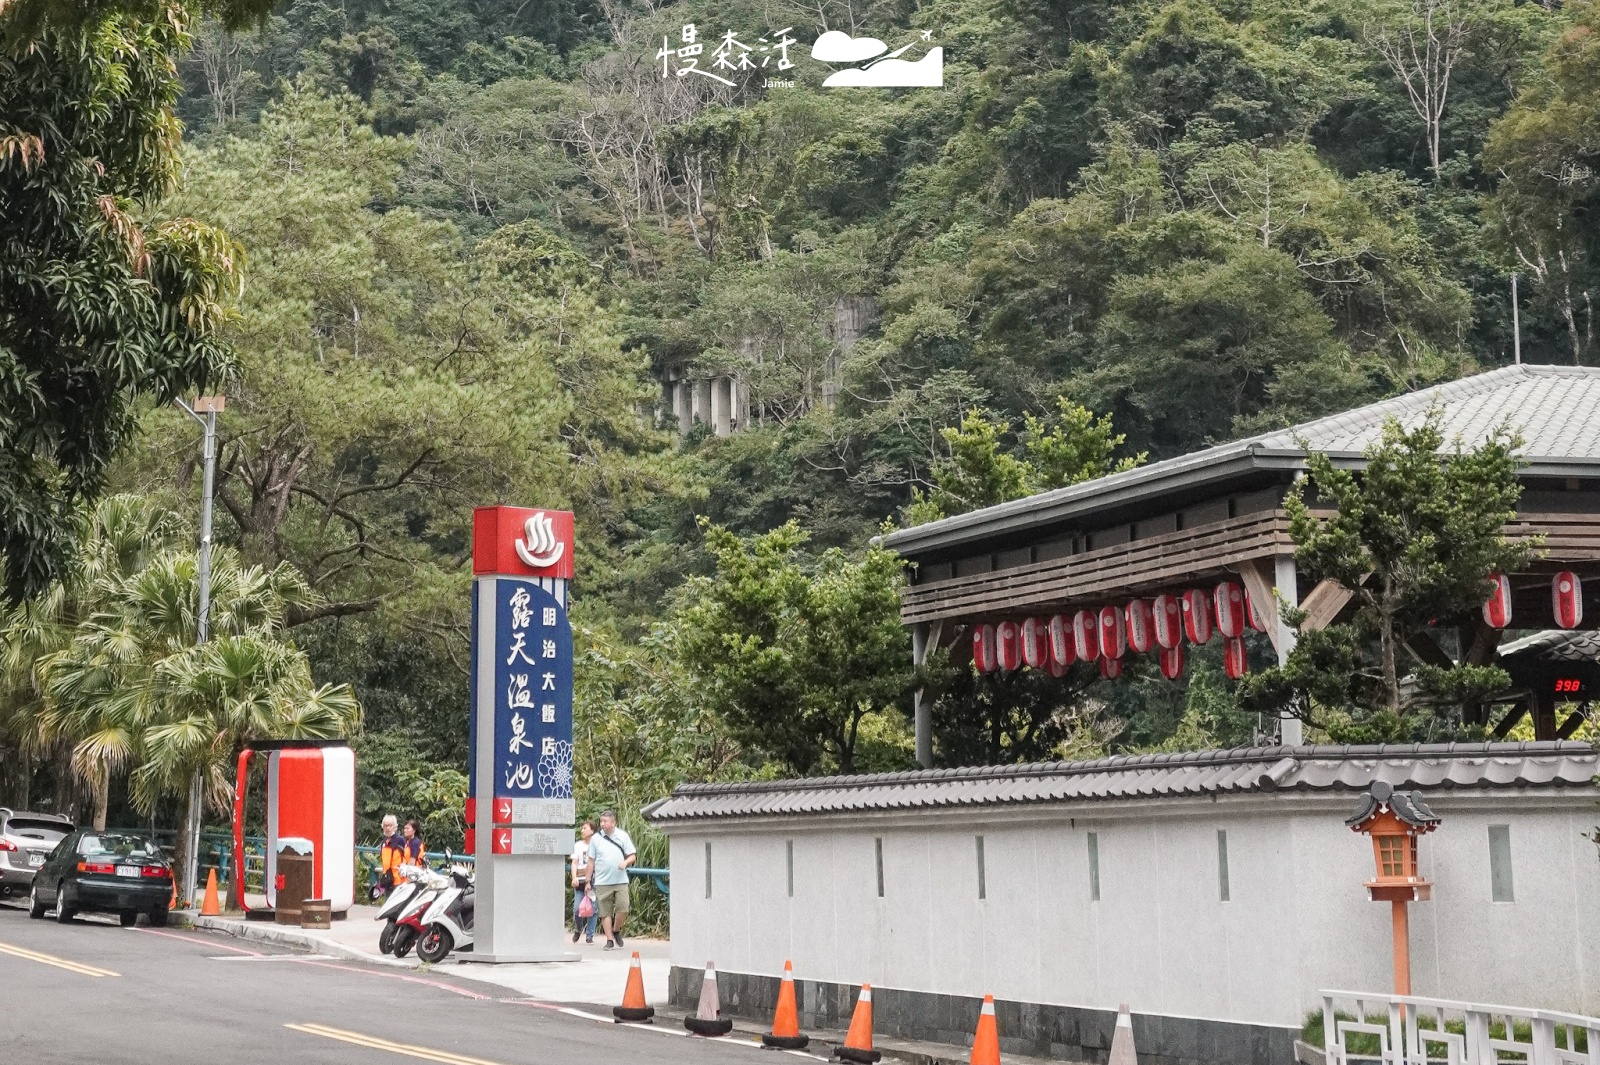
[1544,214]
[1197,219]
[794,654]
[1009,718]
[977,471]
[99,305]
[1415,536]
[386,379]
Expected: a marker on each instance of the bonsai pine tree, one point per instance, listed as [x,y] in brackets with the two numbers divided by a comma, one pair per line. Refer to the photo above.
[1414,534]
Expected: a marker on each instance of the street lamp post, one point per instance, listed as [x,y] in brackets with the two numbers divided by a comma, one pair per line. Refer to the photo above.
[210,407]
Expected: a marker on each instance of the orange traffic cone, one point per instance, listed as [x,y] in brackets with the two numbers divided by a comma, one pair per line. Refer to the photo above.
[986,1043]
[633,1007]
[785,1034]
[707,1019]
[1122,1042]
[858,1040]
[211,907]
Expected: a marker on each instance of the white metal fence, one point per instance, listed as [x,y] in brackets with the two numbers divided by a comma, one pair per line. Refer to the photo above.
[1359,1029]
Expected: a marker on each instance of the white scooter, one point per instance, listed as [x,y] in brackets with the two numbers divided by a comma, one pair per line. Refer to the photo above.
[395,904]
[408,924]
[447,925]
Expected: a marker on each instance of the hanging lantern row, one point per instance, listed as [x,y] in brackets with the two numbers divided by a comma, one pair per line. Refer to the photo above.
[1566,600]
[1106,635]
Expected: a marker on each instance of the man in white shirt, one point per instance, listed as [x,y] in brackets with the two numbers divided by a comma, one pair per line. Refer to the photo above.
[611,851]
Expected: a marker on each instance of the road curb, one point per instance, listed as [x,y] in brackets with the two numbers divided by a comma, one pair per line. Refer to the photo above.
[291,937]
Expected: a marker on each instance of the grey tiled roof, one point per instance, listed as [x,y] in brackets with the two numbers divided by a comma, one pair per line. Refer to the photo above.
[1556,645]
[1556,409]
[1190,773]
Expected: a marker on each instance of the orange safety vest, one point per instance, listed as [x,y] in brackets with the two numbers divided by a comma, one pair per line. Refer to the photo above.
[391,858]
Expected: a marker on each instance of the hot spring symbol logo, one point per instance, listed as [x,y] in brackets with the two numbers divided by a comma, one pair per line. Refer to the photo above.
[889,71]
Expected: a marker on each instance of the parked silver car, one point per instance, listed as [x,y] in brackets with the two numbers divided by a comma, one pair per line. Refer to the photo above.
[25,840]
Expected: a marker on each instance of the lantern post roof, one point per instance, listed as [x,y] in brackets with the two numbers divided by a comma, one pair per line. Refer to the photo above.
[1407,807]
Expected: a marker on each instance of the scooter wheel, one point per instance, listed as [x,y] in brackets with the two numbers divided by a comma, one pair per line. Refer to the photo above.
[404,937]
[434,944]
[386,938]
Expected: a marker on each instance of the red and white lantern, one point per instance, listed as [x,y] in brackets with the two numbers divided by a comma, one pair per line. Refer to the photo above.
[1057,668]
[1062,649]
[1253,617]
[1086,635]
[1113,638]
[1566,599]
[1171,659]
[1111,668]
[1230,610]
[1141,626]
[1036,642]
[1008,645]
[1197,616]
[983,657]
[1235,663]
[1168,616]
[1497,608]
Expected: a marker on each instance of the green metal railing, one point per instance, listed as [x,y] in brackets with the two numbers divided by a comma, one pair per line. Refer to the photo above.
[216,852]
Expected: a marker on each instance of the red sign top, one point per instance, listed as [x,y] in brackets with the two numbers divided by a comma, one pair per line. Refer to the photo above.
[522,542]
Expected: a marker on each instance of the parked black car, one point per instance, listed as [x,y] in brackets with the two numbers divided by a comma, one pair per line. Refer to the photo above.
[103,872]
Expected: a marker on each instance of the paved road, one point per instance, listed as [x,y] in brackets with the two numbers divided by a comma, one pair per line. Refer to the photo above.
[178,997]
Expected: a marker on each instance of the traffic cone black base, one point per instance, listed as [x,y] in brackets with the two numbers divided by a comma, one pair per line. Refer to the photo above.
[633,1008]
[786,1042]
[860,1057]
[634,1014]
[719,1026]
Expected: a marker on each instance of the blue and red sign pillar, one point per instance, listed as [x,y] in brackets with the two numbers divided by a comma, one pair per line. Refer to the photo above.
[520,807]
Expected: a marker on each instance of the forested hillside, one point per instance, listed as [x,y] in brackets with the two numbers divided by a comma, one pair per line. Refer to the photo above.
[479,235]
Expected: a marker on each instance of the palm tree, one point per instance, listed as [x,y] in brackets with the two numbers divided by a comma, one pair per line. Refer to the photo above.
[116,539]
[104,671]
[132,688]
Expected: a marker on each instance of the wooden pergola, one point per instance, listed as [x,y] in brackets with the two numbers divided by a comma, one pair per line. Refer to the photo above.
[1200,518]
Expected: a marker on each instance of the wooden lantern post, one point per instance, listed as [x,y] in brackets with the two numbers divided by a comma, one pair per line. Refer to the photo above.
[1394,820]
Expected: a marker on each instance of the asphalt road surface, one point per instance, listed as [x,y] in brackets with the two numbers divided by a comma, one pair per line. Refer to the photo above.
[93,992]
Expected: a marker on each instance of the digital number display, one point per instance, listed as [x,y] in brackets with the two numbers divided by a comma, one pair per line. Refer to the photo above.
[1568,685]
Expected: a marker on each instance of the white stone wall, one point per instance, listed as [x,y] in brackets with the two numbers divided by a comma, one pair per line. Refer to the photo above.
[1159,938]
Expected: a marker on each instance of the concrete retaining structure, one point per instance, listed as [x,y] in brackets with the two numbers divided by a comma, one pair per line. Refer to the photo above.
[1214,892]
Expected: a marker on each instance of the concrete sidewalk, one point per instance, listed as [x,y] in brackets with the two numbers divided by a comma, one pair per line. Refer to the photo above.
[596,978]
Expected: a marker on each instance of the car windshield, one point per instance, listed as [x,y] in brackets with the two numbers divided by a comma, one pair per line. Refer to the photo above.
[116,843]
[30,828]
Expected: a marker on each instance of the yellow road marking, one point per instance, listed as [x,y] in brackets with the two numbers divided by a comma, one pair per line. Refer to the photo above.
[372,1041]
[50,959]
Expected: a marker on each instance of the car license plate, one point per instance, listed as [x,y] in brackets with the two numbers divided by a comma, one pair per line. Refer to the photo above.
[35,859]
[127,870]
